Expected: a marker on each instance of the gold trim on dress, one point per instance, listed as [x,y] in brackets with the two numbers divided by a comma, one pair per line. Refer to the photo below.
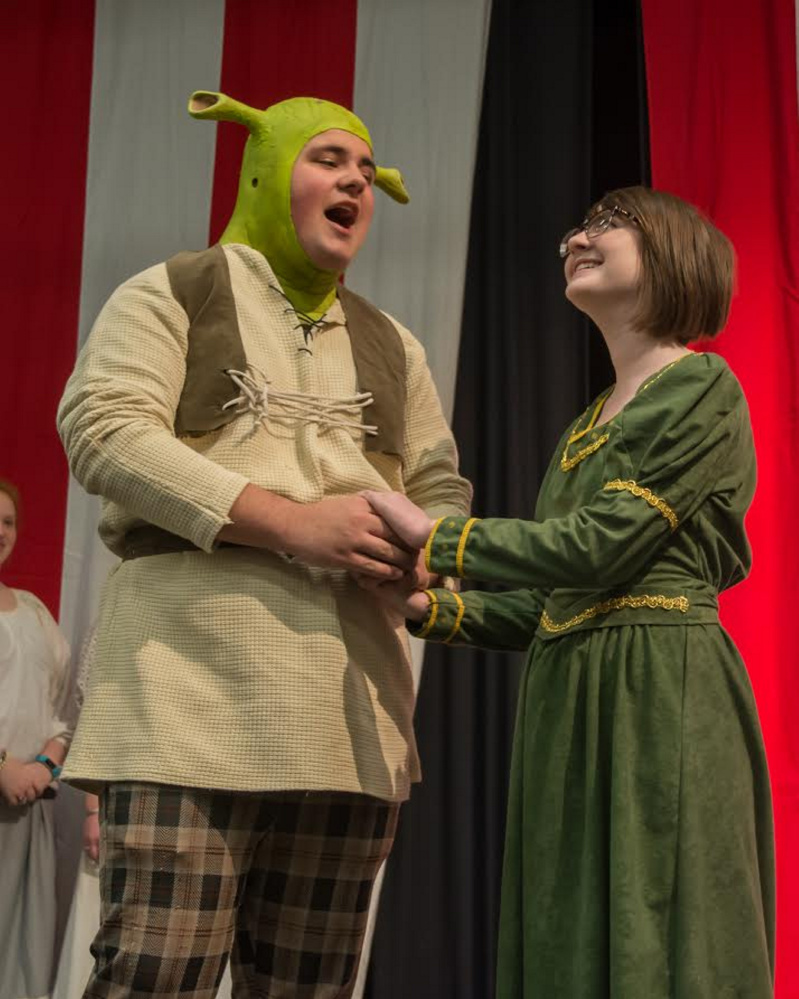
[428,548]
[641,491]
[462,544]
[662,372]
[456,627]
[616,603]
[432,612]
[576,434]
[567,463]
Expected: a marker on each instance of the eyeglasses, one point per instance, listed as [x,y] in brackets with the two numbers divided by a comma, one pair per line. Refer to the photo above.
[596,225]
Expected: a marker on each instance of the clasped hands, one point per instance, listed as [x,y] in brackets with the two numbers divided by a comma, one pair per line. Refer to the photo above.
[22,783]
[375,536]
[410,528]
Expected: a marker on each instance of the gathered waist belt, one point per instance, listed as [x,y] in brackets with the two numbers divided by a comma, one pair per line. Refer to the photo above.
[148,539]
[695,603]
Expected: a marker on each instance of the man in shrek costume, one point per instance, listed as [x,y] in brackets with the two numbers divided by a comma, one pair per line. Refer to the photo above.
[248,722]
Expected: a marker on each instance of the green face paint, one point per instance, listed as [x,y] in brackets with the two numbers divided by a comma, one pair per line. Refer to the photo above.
[262,215]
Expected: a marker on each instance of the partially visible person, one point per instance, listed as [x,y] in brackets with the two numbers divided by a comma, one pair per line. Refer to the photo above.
[75,961]
[33,744]
[639,858]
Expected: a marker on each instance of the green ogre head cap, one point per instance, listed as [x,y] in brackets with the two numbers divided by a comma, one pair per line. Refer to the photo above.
[262,215]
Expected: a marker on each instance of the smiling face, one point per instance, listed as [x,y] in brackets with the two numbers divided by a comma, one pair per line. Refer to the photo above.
[332,198]
[8,526]
[604,270]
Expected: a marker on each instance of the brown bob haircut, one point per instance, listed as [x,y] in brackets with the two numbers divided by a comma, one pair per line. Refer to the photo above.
[687,265]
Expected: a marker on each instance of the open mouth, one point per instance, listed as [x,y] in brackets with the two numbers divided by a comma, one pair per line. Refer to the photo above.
[342,215]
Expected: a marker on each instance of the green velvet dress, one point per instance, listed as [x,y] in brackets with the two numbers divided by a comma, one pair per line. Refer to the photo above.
[639,850]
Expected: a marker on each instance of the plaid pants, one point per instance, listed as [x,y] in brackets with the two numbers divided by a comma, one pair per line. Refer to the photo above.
[282,880]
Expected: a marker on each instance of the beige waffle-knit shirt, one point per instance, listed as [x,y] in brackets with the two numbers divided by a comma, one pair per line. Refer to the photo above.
[237,668]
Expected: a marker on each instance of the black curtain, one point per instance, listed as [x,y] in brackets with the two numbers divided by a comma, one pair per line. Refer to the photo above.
[561,122]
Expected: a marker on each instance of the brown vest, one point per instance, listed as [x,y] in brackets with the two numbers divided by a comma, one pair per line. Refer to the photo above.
[200,282]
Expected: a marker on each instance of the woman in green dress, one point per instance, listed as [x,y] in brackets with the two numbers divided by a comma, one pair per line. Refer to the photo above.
[639,849]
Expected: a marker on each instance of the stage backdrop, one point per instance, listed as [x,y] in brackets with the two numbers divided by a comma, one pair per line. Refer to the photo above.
[723,110]
[107,174]
[104,173]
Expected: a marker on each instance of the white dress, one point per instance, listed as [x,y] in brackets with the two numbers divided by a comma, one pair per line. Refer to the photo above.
[33,676]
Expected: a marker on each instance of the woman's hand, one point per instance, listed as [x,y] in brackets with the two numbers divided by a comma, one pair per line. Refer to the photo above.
[40,776]
[408,521]
[20,782]
[402,596]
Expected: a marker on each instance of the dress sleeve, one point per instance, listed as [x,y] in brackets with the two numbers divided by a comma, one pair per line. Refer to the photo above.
[61,687]
[676,445]
[116,418]
[502,621]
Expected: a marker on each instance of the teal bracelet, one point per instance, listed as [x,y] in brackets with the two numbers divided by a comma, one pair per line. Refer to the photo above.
[54,768]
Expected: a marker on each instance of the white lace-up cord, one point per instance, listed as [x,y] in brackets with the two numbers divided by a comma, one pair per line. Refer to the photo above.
[327,411]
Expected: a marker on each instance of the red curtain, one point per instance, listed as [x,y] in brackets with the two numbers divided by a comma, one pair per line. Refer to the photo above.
[45,76]
[271,50]
[274,50]
[724,134]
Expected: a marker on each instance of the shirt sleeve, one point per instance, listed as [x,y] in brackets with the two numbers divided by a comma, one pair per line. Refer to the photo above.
[677,446]
[116,417]
[430,458]
[502,621]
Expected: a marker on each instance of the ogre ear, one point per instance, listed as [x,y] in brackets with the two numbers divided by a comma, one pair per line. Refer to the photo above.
[390,182]
[219,107]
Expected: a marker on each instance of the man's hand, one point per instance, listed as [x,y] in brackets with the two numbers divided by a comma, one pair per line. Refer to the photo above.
[342,532]
[345,533]
[91,837]
[91,827]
